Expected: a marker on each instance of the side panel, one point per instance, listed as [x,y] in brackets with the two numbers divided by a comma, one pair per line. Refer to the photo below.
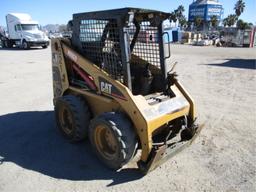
[98,104]
[59,73]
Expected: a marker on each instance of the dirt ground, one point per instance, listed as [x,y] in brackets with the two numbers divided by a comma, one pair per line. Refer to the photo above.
[35,157]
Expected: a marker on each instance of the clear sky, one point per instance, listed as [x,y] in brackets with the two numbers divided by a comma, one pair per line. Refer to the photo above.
[60,11]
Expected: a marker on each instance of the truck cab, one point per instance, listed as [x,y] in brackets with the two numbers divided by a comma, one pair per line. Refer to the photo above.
[24,32]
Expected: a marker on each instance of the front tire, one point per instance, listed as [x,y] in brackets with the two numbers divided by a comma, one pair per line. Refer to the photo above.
[25,45]
[113,139]
[44,46]
[72,117]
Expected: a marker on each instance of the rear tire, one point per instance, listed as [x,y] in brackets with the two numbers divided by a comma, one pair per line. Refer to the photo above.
[5,44]
[113,139]
[44,46]
[72,117]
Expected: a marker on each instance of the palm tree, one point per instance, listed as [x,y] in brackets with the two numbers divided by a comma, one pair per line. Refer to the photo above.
[182,21]
[214,21]
[173,17]
[177,14]
[230,20]
[240,24]
[239,7]
[225,22]
[179,11]
[198,22]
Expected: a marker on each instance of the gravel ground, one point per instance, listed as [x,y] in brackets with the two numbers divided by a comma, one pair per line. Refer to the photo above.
[34,156]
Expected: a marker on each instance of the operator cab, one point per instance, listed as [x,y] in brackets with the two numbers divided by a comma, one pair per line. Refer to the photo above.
[126,43]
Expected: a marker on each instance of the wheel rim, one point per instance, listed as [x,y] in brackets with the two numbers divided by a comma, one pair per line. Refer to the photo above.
[66,120]
[106,142]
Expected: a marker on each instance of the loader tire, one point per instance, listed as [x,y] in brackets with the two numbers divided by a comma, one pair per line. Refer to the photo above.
[113,139]
[72,116]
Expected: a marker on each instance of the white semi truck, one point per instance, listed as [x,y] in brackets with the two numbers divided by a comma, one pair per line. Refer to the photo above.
[23,32]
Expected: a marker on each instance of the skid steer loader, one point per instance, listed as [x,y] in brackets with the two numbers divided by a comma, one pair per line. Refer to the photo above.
[111,84]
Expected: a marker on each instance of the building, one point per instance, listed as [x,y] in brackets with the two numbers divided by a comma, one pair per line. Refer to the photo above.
[205,9]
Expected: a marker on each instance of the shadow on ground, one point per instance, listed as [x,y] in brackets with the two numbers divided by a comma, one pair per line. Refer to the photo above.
[31,140]
[238,63]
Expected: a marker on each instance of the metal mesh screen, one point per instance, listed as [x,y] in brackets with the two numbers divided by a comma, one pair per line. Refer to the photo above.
[146,46]
[100,43]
